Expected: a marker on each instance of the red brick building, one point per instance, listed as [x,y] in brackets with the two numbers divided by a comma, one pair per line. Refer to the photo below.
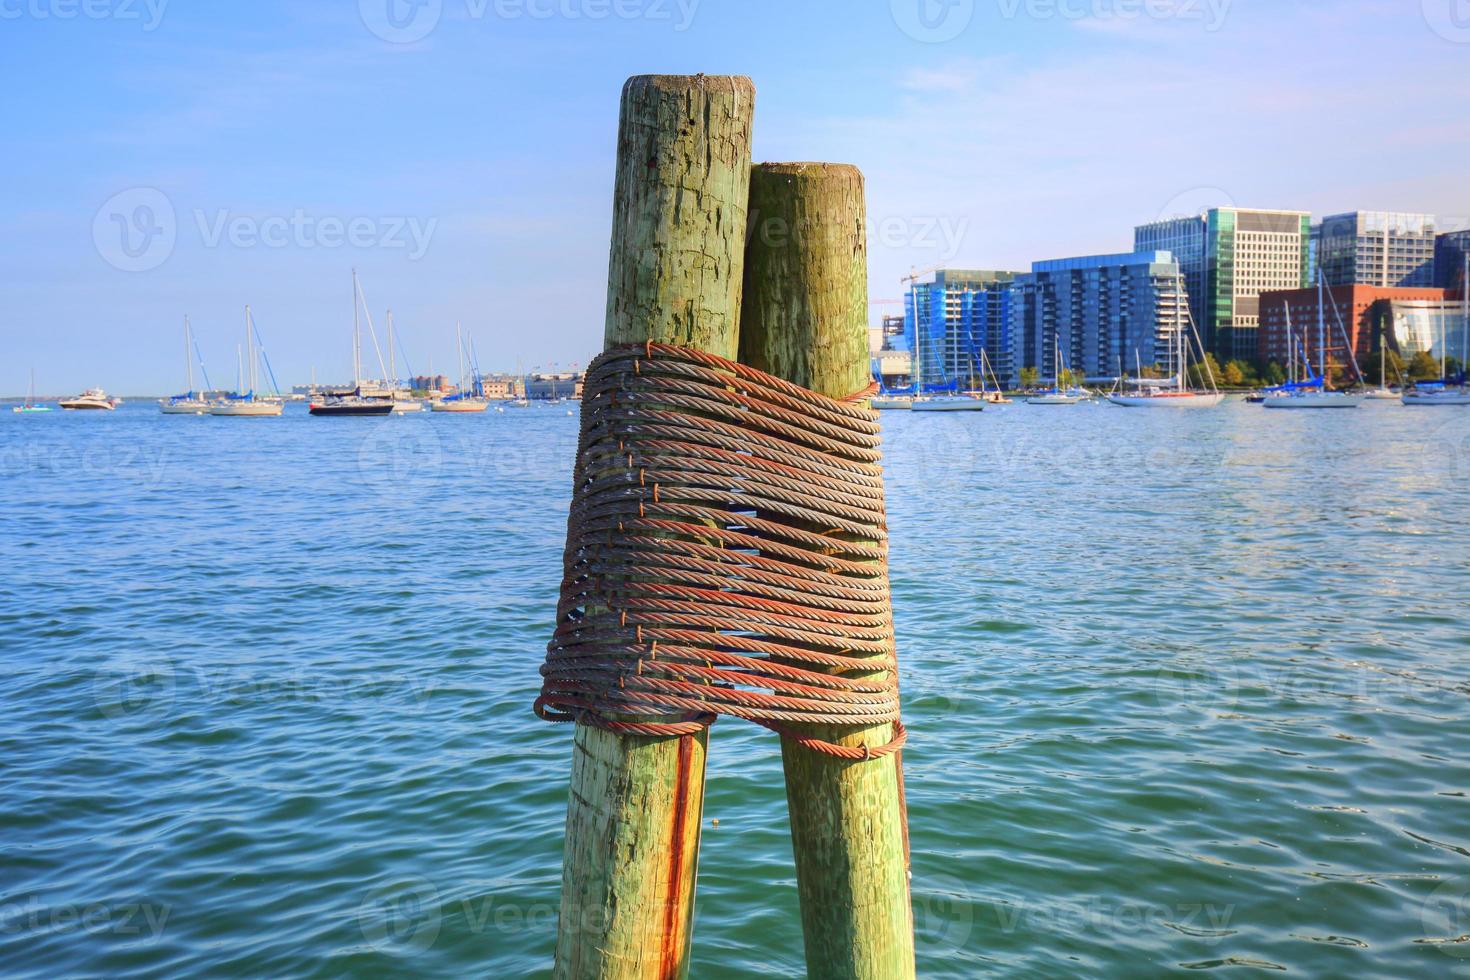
[1362,309]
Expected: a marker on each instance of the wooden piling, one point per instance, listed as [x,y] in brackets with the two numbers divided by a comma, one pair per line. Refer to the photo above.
[674,276]
[805,319]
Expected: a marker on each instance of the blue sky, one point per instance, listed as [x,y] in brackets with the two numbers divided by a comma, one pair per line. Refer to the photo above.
[467,173]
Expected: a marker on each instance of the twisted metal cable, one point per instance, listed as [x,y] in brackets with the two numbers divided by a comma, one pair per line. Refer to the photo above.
[726,555]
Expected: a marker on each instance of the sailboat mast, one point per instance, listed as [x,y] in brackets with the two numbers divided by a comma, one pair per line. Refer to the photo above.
[1321,329]
[249,353]
[188,360]
[459,356]
[1465,327]
[1178,334]
[356,337]
[392,359]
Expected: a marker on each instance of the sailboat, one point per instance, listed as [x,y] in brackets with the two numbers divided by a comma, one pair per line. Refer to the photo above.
[244,403]
[991,396]
[357,400]
[1171,392]
[1056,395]
[403,400]
[1434,394]
[462,401]
[937,402]
[1313,393]
[30,405]
[1382,393]
[191,402]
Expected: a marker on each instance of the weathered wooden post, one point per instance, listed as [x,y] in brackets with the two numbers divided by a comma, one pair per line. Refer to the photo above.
[805,320]
[674,276]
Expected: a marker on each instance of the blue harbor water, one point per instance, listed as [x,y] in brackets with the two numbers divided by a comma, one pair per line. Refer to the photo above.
[1187,692]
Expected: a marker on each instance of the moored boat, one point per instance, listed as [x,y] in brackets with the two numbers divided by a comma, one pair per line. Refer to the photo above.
[467,399]
[29,406]
[352,402]
[1435,394]
[244,402]
[1173,391]
[1057,395]
[1313,394]
[191,402]
[93,399]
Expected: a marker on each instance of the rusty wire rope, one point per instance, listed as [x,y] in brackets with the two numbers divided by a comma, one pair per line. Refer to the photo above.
[726,555]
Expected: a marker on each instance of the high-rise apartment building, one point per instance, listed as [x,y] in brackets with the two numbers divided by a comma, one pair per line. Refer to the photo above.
[1106,313]
[957,313]
[1376,248]
[1229,256]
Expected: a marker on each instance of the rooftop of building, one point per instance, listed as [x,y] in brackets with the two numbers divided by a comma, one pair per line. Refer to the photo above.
[1071,263]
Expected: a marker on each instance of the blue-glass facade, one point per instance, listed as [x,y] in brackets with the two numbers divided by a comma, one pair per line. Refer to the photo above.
[955,314]
[1449,259]
[1107,313]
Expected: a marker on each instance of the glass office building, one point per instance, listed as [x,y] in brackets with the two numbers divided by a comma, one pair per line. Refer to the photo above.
[955,314]
[1229,256]
[1439,328]
[1108,313]
[1449,259]
[1376,248]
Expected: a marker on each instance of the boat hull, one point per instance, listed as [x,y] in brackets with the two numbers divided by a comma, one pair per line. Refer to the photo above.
[948,405]
[184,408]
[30,409]
[71,406]
[892,404]
[1436,400]
[385,408]
[1055,400]
[1167,401]
[460,407]
[1312,402]
[246,410]
[400,408]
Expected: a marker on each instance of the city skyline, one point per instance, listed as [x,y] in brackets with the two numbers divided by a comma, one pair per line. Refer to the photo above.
[467,173]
